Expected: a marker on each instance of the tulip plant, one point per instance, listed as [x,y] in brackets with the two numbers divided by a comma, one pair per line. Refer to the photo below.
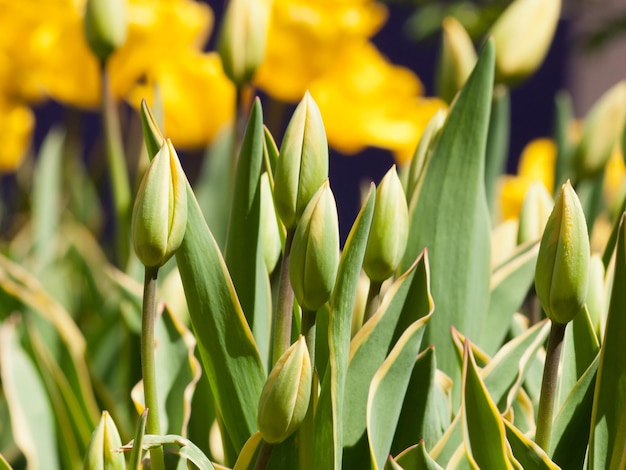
[239,334]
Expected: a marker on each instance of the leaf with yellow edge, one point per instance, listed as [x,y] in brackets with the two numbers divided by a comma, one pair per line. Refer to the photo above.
[248,455]
[526,452]
[416,458]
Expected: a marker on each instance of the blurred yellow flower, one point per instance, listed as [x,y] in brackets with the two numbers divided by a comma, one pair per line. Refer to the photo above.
[536,163]
[614,185]
[367,101]
[16,127]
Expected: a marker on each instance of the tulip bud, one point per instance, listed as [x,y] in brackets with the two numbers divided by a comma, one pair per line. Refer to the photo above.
[303,163]
[242,38]
[269,226]
[389,230]
[457,59]
[523,34]
[160,211]
[152,135]
[286,393]
[101,452]
[562,271]
[314,255]
[601,131]
[105,26]
[534,213]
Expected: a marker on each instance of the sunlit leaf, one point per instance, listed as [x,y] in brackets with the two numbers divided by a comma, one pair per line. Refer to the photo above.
[184,447]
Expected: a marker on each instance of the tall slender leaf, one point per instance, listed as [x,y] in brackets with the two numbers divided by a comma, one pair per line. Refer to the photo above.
[497,142]
[451,217]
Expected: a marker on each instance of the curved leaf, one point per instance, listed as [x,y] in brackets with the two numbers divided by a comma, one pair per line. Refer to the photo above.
[185,447]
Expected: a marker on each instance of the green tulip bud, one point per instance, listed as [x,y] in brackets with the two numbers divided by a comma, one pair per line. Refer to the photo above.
[270,235]
[422,155]
[152,135]
[562,271]
[534,213]
[105,26]
[242,38]
[102,449]
[601,131]
[389,230]
[457,59]
[160,211]
[303,163]
[314,255]
[523,34]
[286,393]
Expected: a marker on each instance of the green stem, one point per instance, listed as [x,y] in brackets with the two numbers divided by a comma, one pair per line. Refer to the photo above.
[116,160]
[148,369]
[548,386]
[307,429]
[373,300]
[284,309]
[263,458]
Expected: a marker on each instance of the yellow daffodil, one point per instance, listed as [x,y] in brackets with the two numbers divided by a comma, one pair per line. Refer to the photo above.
[16,127]
[367,101]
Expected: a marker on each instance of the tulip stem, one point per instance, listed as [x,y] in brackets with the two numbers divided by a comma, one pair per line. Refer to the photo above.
[548,386]
[120,186]
[373,300]
[263,459]
[284,309]
[148,369]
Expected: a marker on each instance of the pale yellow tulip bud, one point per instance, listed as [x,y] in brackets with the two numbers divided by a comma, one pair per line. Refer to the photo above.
[286,393]
[389,230]
[457,59]
[105,26]
[270,235]
[562,271]
[536,209]
[523,34]
[102,451]
[160,210]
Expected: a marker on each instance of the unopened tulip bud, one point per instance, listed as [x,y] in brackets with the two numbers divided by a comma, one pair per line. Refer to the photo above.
[102,451]
[534,213]
[315,251]
[269,226]
[242,38]
[389,230]
[523,34]
[286,393]
[160,211]
[562,271]
[105,26]
[601,131]
[303,163]
[457,59]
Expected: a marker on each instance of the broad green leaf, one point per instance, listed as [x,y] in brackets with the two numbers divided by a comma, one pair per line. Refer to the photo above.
[244,250]
[417,458]
[570,429]
[47,196]
[391,464]
[32,417]
[136,453]
[229,355]
[248,455]
[483,427]
[4,465]
[610,394]
[177,372]
[580,348]
[426,410]
[328,439]
[451,218]
[387,391]
[510,283]
[443,451]
[184,447]
[526,452]
[406,301]
[497,142]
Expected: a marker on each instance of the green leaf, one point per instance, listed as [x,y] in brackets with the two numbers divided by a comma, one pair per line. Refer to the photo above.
[570,429]
[136,454]
[184,447]
[229,355]
[244,250]
[32,417]
[497,142]
[451,217]
[387,391]
[526,452]
[406,301]
[417,458]
[510,283]
[484,432]
[4,465]
[248,455]
[47,196]
[177,372]
[605,450]
[443,451]
[328,439]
